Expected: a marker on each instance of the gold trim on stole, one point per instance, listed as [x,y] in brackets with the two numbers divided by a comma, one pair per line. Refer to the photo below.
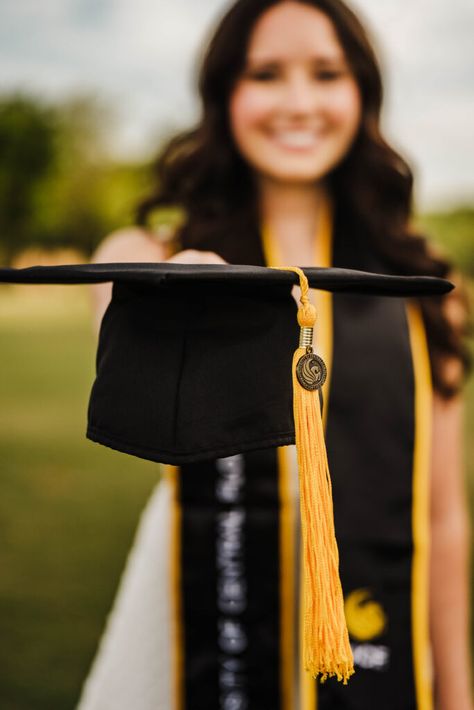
[287,546]
[423,407]
[287,582]
[171,474]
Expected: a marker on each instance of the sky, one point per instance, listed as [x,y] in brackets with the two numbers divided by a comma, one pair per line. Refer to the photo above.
[142,57]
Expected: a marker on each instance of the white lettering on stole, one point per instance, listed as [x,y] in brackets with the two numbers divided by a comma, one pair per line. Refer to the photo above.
[231,584]
[371,656]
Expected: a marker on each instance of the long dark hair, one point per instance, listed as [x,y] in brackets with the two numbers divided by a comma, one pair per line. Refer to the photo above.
[202,171]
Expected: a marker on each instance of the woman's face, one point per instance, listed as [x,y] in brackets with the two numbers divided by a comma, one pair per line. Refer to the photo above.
[296,108]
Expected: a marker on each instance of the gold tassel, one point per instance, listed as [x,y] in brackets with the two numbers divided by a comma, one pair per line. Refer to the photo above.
[327,649]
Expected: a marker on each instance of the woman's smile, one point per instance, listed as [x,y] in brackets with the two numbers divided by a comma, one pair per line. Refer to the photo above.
[298,141]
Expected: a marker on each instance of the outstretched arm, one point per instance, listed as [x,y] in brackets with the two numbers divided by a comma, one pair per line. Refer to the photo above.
[449,566]
[135,245]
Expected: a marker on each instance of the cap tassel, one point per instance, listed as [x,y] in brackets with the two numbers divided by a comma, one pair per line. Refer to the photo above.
[327,649]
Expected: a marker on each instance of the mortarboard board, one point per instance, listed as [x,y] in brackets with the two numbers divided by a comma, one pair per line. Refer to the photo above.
[193,363]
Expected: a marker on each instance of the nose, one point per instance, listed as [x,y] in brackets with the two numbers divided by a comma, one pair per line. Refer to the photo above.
[301,95]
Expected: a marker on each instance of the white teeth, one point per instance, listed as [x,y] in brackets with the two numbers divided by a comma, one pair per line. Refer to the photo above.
[296,139]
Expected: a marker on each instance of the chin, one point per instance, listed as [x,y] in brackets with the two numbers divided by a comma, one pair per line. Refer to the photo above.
[294,176]
[297,171]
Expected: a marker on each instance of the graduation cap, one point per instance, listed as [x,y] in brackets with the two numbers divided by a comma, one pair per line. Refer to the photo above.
[197,362]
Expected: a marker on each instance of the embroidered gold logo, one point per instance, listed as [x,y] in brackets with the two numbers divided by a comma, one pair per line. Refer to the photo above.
[365,617]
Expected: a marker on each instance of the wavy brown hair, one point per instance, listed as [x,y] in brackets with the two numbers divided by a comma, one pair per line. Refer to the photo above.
[202,171]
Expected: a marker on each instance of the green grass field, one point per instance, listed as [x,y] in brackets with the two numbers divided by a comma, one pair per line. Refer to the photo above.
[68,507]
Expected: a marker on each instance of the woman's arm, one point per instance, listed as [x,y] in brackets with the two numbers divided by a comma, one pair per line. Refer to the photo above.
[449,566]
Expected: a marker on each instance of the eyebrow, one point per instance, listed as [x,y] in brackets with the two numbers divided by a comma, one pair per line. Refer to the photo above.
[319,60]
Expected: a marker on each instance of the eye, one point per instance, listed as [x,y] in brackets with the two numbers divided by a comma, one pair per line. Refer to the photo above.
[329,75]
[263,75]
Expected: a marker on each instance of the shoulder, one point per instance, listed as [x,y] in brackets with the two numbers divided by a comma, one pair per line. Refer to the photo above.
[131,244]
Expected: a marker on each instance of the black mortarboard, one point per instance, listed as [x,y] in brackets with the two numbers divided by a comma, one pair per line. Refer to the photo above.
[194,363]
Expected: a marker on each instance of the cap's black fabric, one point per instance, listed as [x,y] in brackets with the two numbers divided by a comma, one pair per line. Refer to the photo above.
[194,361]
[190,374]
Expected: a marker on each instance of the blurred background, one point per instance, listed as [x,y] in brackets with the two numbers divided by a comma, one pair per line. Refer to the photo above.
[89,90]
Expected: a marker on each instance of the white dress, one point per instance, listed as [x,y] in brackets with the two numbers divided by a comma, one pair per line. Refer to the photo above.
[132,668]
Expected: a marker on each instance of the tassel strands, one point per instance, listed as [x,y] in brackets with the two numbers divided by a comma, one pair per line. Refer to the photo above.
[327,650]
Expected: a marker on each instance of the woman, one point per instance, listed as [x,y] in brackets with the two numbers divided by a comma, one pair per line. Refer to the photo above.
[288,166]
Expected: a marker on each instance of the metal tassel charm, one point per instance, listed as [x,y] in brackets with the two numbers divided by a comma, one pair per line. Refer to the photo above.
[311,370]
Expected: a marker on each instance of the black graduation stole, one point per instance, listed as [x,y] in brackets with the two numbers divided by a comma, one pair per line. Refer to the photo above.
[236,562]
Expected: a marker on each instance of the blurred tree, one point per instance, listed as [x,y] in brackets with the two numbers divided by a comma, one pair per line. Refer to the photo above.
[70,209]
[26,156]
[453,231]
[59,186]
